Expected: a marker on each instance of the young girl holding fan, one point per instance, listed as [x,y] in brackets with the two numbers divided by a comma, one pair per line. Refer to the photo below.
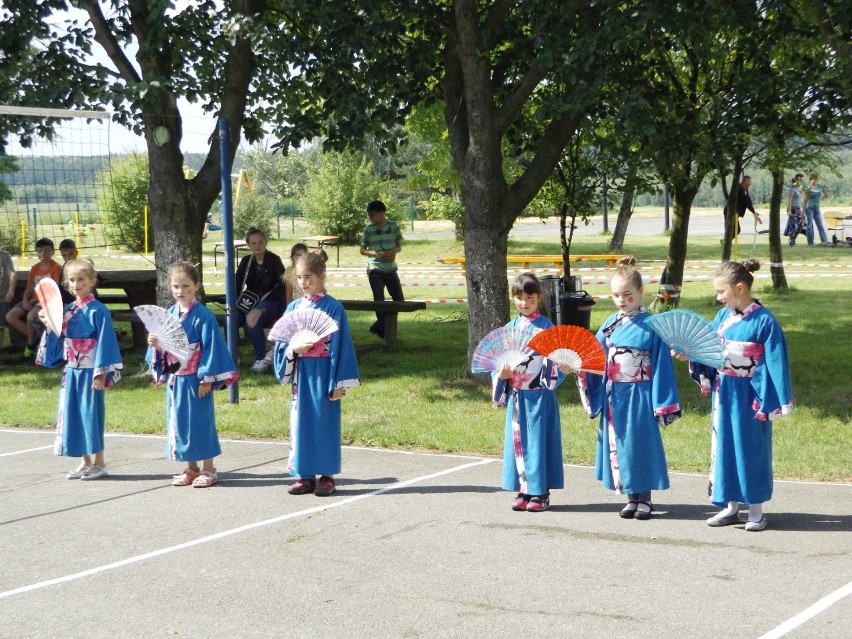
[635,397]
[321,372]
[751,389]
[532,449]
[89,348]
[190,420]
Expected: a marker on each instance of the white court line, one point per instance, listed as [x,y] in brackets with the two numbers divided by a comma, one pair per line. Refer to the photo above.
[809,613]
[28,450]
[232,531]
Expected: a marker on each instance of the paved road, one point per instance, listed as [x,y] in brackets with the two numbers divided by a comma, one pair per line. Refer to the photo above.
[411,545]
[701,224]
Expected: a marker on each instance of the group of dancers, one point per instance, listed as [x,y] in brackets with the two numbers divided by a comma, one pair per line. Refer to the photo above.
[634,398]
[320,374]
[637,395]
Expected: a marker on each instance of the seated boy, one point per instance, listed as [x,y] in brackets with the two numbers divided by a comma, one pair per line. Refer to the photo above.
[22,315]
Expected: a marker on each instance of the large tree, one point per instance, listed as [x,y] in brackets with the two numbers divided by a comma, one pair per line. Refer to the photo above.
[249,61]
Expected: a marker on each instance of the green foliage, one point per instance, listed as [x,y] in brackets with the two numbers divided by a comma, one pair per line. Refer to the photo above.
[123,196]
[10,238]
[445,207]
[254,210]
[337,193]
[8,165]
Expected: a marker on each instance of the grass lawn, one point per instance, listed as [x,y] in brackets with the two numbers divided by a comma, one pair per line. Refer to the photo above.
[418,396]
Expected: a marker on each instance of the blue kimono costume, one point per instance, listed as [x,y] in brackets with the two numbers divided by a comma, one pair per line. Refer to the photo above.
[88,347]
[315,447]
[532,443]
[751,389]
[636,395]
[190,420]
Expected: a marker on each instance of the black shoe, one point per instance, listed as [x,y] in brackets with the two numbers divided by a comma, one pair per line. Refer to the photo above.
[375,331]
[627,512]
[642,514]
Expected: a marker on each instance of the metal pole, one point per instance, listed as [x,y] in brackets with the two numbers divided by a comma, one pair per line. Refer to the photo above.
[228,237]
[605,206]
[666,204]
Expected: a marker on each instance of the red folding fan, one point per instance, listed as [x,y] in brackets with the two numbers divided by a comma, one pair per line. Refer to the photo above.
[572,346]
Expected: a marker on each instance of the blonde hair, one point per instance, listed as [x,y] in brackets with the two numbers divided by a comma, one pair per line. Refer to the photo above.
[626,271]
[79,265]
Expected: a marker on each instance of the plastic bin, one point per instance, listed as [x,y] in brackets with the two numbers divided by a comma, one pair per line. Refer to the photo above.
[551,288]
[575,308]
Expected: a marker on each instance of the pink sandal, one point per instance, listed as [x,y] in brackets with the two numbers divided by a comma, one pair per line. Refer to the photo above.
[205,479]
[186,478]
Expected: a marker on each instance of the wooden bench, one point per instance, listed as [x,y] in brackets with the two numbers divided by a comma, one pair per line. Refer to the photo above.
[555,260]
[390,308]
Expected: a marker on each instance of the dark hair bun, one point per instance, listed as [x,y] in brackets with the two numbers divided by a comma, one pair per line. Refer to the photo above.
[751,265]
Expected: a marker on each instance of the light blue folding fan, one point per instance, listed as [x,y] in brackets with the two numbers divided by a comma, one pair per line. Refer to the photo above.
[690,334]
[504,345]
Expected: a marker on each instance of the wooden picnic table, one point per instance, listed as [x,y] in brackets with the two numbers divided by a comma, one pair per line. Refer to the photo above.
[321,241]
[555,260]
[139,286]
[219,247]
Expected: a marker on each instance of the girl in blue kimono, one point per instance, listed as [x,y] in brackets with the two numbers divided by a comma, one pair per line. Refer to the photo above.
[751,389]
[89,349]
[635,397]
[190,419]
[321,372]
[532,448]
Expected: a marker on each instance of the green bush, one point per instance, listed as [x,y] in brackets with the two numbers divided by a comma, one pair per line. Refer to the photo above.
[10,239]
[253,210]
[337,194]
[123,196]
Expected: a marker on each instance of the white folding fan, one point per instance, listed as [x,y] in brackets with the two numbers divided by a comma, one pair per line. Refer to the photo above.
[168,329]
[690,334]
[303,325]
[504,345]
[49,296]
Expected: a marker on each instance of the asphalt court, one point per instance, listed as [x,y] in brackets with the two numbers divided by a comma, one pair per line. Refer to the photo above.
[410,545]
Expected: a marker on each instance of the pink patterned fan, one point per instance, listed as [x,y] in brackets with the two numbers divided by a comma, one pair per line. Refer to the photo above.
[504,345]
[50,298]
[168,329]
[303,325]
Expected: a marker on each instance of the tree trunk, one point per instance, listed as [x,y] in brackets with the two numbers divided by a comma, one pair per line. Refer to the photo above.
[625,212]
[776,266]
[731,217]
[488,301]
[671,281]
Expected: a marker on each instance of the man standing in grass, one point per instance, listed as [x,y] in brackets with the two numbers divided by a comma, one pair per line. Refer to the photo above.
[381,242]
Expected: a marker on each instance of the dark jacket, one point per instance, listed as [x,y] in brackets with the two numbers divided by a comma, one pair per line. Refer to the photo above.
[262,278]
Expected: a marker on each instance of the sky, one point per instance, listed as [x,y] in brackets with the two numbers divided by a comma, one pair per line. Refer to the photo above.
[197,126]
